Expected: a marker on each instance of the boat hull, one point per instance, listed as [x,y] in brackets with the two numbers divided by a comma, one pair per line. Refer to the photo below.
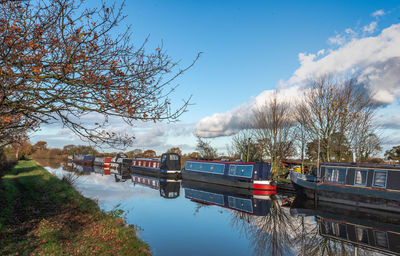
[228,181]
[372,198]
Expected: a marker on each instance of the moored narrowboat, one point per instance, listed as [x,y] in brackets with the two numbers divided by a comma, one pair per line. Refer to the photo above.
[124,163]
[363,185]
[83,159]
[115,161]
[107,162]
[249,175]
[168,166]
[98,161]
[236,199]
[88,160]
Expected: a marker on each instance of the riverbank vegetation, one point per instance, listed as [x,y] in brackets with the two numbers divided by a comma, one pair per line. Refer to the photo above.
[42,215]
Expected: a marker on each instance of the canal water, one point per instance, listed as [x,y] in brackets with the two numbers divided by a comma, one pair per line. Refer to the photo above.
[189,218]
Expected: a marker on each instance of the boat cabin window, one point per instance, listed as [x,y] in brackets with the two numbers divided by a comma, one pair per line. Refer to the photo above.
[381,239]
[380,178]
[335,229]
[335,174]
[173,157]
[360,177]
[361,234]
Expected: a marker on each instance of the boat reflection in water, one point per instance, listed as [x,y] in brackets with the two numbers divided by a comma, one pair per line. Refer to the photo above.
[169,188]
[262,219]
[77,168]
[237,199]
[353,229]
[98,169]
[121,174]
[84,169]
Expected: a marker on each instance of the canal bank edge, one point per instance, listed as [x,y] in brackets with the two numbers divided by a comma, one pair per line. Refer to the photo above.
[43,215]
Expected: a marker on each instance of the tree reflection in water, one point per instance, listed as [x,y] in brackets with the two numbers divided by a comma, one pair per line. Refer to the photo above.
[52,163]
[270,234]
[279,233]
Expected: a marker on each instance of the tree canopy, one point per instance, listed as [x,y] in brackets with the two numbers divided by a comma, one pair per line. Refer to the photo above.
[393,154]
[60,61]
[206,151]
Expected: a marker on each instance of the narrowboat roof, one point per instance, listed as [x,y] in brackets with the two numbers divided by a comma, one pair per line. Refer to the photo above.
[362,165]
[222,162]
[148,159]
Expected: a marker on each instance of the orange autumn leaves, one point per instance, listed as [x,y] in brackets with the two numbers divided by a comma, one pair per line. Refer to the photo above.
[67,62]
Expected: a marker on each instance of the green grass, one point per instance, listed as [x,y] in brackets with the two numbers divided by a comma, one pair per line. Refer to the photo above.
[282,180]
[42,215]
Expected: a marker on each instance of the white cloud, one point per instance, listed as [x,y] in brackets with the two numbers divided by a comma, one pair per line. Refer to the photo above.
[370,55]
[321,52]
[350,31]
[378,13]
[228,123]
[371,27]
[337,40]
[374,59]
[391,141]
[389,122]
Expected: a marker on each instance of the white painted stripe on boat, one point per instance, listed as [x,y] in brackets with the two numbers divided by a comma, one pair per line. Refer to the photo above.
[173,171]
[262,182]
[261,197]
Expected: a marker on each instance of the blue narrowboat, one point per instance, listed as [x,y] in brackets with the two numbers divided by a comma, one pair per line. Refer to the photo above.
[169,188]
[83,159]
[249,175]
[373,186]
[228,197]
[168,166]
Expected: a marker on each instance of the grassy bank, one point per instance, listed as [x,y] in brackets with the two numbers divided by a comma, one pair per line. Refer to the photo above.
[42,215]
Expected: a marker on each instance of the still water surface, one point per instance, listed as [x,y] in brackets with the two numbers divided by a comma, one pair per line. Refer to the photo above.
[189,218]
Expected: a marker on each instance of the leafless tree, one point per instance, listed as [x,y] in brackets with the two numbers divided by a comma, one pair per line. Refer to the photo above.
[273,125]
[246,147]
[270,234]
[336,109]
[301,140]
[206,151]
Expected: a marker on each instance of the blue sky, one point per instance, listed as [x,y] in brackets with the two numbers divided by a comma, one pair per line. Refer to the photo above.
[249,48]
